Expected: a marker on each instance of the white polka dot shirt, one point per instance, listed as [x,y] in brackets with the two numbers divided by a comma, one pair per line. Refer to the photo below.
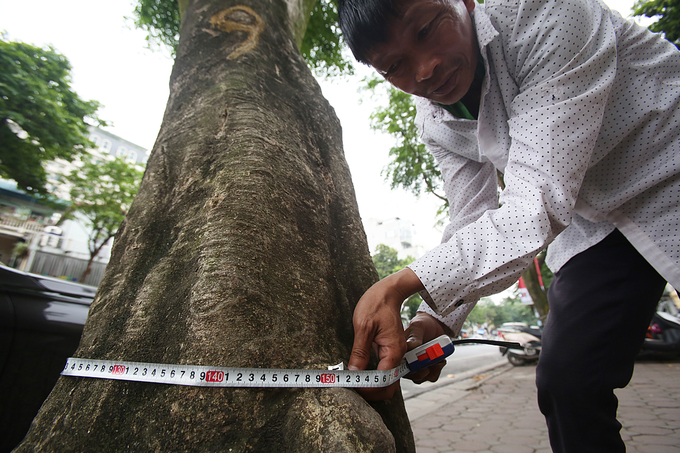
[580,113]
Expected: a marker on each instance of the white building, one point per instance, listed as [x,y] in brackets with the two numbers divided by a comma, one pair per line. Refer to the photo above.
[106,146]
[397,233]
[24,219]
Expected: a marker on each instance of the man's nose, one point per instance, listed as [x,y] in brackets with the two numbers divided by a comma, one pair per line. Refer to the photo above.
[426,67]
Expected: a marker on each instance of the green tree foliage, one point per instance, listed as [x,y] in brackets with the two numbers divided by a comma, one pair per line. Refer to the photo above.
[102,193]
[160,20]
[668,14]
[387,262]
[322,45]
[41,117]
[411,167]
[510,310]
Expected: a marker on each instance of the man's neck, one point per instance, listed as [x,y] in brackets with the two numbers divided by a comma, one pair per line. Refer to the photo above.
[473,97]
[468,106]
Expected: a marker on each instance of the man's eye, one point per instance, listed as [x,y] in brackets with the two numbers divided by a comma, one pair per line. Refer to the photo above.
[390,71]
[431,25]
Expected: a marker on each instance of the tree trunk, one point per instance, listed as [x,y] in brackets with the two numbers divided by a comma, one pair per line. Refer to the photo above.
[93,254]
[244,248]
[537,293]
[88,270]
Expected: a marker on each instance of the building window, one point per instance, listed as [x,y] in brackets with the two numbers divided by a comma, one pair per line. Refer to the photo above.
[132,157]
[122,152]
[95,139]
[106,145]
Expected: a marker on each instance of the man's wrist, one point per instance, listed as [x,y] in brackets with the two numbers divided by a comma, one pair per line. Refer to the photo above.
[427,318]
[406,283]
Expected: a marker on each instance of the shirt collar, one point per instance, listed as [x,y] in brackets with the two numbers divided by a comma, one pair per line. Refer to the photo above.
[485,30]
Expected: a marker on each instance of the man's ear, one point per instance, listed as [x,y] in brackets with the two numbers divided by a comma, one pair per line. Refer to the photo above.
[469,5]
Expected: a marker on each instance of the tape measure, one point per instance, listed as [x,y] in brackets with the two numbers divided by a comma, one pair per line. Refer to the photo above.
[207,376]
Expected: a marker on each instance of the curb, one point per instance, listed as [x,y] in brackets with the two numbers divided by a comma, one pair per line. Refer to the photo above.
[476,377]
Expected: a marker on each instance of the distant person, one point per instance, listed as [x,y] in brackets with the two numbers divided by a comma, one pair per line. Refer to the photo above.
[577,107]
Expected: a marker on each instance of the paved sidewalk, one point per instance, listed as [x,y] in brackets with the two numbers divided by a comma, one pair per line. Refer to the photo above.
[495,411]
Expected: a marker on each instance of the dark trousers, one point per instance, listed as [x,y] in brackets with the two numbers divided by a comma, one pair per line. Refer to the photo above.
[601,303]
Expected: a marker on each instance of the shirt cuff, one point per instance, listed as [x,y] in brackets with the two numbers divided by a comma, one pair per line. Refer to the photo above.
[453,320]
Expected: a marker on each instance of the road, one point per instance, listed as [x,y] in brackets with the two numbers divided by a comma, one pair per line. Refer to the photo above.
[464,358]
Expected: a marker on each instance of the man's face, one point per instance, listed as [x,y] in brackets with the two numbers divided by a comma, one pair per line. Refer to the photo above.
[431,50]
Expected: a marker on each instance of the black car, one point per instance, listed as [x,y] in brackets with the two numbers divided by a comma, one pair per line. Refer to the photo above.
[41,321]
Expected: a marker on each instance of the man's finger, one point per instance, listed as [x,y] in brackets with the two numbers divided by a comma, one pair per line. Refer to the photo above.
[435,371]
[430,373]
[361,353]
[414,340]
[414,336]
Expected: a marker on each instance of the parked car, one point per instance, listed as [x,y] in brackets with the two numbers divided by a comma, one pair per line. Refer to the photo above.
[511,327]
[41,321]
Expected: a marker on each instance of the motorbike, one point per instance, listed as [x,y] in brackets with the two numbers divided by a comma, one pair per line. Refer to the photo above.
[530,341]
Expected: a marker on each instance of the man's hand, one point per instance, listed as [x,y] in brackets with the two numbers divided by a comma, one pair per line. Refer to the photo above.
[377,323]
[422,329]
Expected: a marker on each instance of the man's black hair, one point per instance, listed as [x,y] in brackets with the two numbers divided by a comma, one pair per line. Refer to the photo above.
[364,24]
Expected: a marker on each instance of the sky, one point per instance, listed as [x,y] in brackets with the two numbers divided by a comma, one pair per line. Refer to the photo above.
[113,65]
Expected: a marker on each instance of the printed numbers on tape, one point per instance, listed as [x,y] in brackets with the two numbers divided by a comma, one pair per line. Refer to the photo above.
[203,376]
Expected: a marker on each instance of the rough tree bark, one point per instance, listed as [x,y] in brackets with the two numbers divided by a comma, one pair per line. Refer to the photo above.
[244,247]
